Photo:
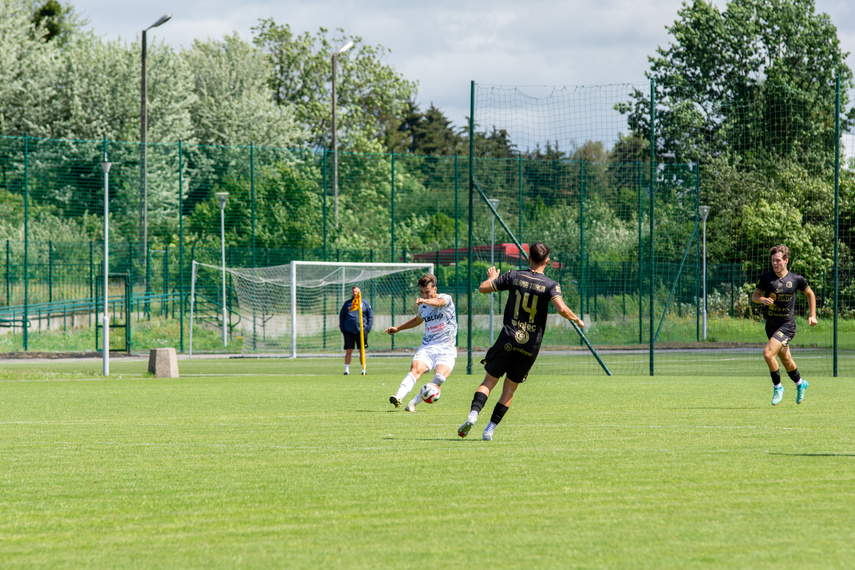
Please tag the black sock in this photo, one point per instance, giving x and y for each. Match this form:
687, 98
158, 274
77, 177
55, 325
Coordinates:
478, 402
498, 413
794, 375
776, 377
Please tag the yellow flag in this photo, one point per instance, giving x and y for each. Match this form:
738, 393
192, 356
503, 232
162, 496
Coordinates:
357, 302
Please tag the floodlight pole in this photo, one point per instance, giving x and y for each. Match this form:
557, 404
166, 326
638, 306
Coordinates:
335, 55
221, 198
495, 203
105, 166
705, 211
143, 223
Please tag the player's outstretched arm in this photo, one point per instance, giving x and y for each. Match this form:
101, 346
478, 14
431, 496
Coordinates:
812, 304
565, 311
414, 322
487, 285
435, 302
758, 298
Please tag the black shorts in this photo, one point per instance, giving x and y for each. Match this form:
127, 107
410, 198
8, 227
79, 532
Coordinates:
351, 340
505, 357
783, 332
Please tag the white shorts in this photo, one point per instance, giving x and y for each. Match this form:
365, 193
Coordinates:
433, 355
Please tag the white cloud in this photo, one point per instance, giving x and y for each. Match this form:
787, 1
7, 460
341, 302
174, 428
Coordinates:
445, 44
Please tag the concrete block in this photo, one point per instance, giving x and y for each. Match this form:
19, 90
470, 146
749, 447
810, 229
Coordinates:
163, 362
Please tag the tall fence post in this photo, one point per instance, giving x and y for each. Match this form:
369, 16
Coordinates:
583, 279
392, 252
26, 318
521, 206
836, 220
92, 306
471, 224
8, 280
698, 280
50, 281
180, 249
652, 194
252, 195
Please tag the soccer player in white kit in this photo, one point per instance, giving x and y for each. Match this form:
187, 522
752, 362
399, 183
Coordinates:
439, 345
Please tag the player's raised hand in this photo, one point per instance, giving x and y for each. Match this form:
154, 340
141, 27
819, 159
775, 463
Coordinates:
492, 273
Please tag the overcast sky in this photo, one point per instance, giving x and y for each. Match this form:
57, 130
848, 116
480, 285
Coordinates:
446, 44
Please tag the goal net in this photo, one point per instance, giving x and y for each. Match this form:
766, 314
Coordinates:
294, 309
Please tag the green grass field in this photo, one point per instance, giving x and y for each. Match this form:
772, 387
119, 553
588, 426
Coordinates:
262, 463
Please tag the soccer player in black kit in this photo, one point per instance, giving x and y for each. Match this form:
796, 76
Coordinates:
776, 290
516, 348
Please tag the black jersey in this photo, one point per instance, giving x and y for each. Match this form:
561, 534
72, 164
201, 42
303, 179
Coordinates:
783, 291
529, 297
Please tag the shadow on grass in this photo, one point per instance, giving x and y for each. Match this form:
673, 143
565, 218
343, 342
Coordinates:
717, 408
816, 454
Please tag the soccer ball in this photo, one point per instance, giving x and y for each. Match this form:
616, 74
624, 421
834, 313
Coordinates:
430, 393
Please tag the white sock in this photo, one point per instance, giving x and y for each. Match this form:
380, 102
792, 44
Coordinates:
347, 367
490, 427
416, 399
406, 385
438, 379
473, 417
799, 383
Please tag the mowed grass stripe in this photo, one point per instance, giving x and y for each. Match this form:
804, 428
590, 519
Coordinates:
299, 466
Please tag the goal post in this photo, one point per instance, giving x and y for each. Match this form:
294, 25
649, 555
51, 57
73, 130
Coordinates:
293, 309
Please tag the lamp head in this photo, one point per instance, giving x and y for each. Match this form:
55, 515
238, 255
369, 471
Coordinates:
704, 211
162, 20
345, 47
221, 198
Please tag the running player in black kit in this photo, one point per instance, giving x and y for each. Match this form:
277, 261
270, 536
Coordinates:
776, 290
516, 348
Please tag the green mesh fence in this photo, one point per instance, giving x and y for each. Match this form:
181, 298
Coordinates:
571, 166
593, 174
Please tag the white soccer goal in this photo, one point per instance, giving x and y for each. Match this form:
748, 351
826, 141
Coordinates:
294, 309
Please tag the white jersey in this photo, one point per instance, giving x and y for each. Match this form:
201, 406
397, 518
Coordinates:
440, 323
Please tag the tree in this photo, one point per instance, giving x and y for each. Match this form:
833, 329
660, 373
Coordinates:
53, 21
757, 80
371, 95
232, 104
430, 133
27, 66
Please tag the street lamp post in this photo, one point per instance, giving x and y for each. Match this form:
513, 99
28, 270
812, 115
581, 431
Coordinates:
335, 55
143, 231
495, 203
221, 198
705, 211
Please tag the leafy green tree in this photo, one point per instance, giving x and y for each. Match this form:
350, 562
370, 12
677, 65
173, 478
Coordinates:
430, 133
57, 22
755, 80
371, 95
232, 105
288, 209
27, 67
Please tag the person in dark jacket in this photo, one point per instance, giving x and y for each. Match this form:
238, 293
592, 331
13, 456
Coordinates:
348, 323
